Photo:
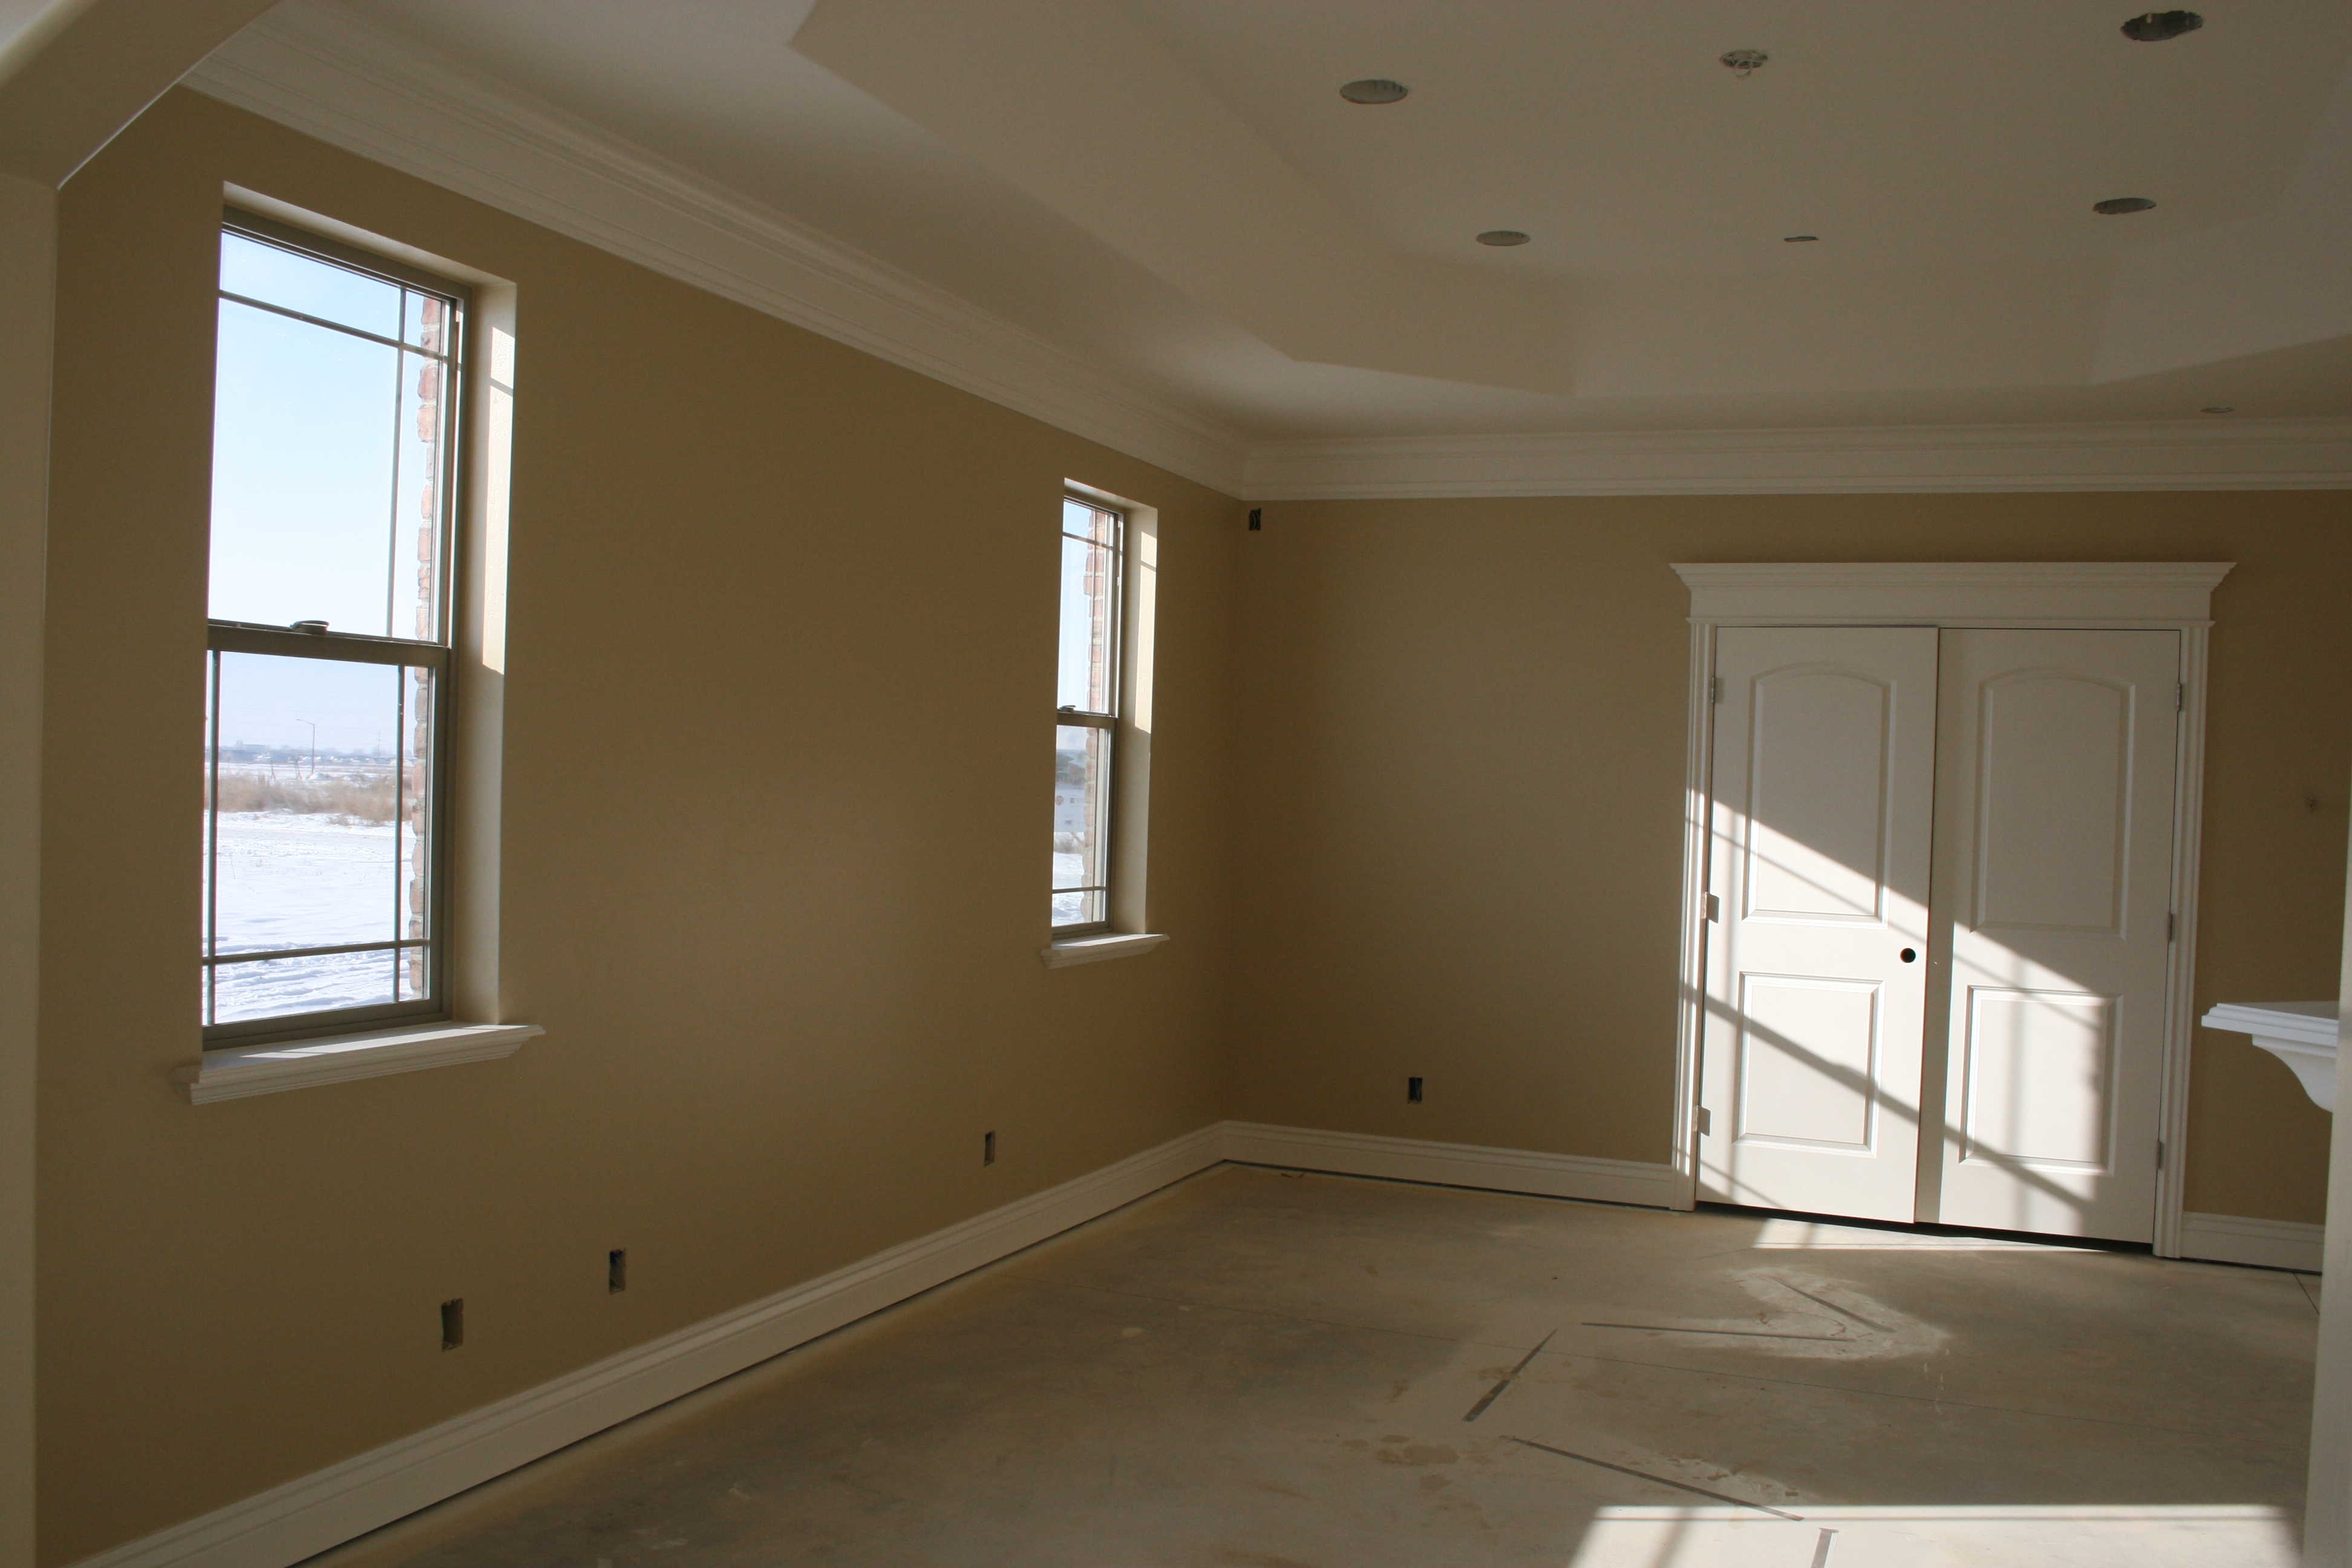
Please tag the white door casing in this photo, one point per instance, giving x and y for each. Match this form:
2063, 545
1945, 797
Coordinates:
2053, 880
2169, 595
1825, 758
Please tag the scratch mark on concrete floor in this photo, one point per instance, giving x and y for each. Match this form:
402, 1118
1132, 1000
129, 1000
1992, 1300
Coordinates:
1496, 1393
1661, 1480
1735, 1334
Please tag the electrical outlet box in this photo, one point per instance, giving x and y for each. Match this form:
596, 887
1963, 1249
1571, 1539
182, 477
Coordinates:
1412, 1091
453, 1323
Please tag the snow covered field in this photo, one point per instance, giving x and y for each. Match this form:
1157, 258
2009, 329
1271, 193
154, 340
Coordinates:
293, 879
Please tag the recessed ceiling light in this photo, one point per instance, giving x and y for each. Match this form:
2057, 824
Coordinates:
2218, 408
1374, 89
1502, 236
2114, 205
2156, 27
1799, 239
1745, 61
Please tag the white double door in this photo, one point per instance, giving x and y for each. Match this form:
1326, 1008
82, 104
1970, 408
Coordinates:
1940, 882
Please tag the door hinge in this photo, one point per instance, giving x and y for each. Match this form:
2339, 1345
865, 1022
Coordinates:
2159, 1153
1706, 1121
2171, 926
2182, 706
1715, 689
1714, 908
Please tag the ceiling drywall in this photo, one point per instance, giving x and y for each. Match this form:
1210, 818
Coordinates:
1172, 190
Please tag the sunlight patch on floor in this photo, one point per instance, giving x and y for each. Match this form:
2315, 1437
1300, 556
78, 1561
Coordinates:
2157, 1536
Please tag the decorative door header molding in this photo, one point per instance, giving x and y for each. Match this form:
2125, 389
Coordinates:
1997, 593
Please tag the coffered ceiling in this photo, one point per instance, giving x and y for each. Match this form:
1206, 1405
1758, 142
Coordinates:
1174, 192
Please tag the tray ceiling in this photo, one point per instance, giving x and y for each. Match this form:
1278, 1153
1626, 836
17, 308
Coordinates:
1173, 192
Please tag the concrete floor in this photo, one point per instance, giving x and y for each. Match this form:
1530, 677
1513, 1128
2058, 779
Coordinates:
1275, 1370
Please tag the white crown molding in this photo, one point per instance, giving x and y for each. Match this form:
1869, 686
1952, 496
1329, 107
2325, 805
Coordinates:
1967, 593
347, 80
2206, 455
356, 85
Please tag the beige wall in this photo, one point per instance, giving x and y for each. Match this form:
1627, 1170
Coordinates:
776, 776
27, 258
1462, 744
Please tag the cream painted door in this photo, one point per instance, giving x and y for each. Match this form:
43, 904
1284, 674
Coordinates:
1824, 764
2053, 878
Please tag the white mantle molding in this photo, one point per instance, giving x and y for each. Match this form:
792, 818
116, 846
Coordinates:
1993, 592
2165, 455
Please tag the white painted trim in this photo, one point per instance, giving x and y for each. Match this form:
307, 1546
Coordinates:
2327, 1490
335, 75
237, 1073
1690, 1015
2169, 596
2181, 978
2277, 1021
307, 1516
2163, 455
2266, 1243
1095, 949
1453, 1165
2157, 593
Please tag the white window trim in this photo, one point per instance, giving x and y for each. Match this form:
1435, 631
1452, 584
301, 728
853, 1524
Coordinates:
1130, 934
2168, 595
479, 656
1095, 949
244, 1070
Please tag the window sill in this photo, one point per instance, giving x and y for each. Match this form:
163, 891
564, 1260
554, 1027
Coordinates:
298, 1064
1095, 949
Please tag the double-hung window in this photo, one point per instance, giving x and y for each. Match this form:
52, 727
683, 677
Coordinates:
327, 675
1086, 713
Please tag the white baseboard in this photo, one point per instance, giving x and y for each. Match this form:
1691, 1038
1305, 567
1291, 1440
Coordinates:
332, 1506
2271, 1243
325, 1509
1453, 1164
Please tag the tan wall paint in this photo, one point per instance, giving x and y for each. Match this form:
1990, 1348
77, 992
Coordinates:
1463, 741
776, 774
28, 233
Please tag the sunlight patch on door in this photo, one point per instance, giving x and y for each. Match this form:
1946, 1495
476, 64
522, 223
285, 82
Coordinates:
2038, 1075
1819, 741
1808, 1062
